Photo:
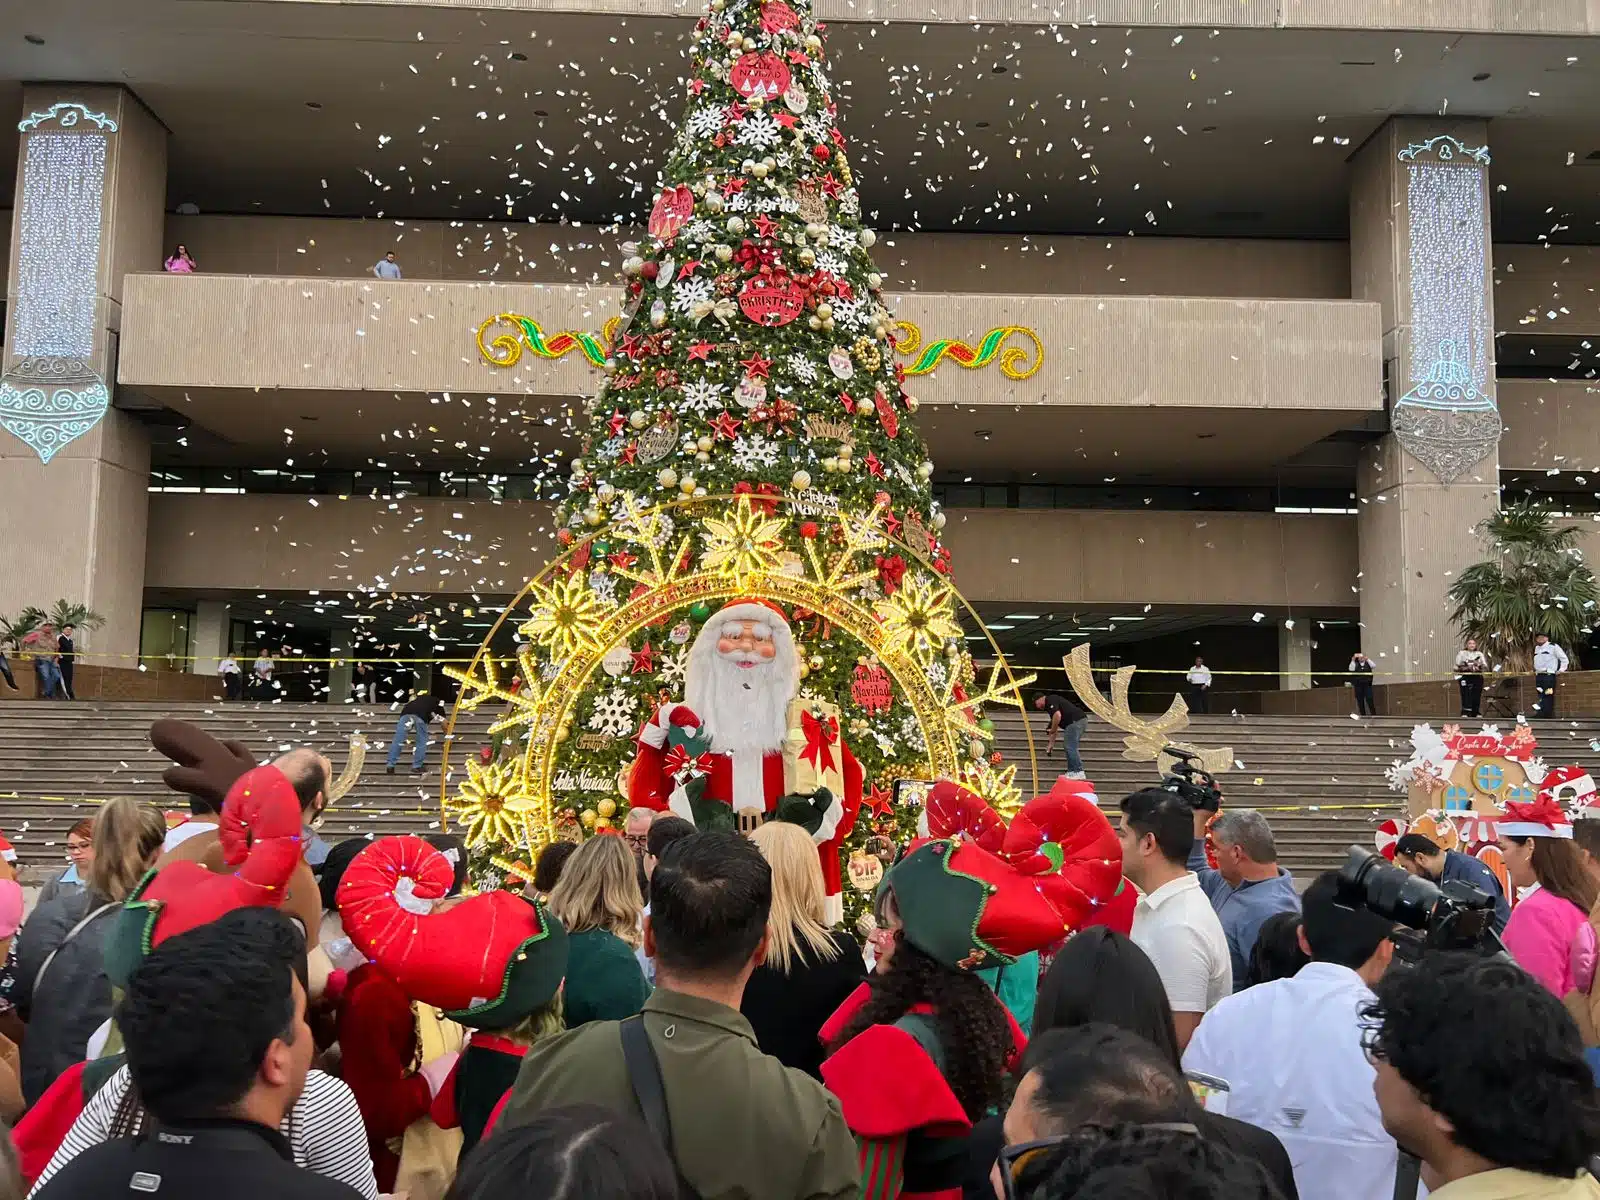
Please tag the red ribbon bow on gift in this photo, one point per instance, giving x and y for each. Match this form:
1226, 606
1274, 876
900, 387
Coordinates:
821, 736
680, 763
1543, 811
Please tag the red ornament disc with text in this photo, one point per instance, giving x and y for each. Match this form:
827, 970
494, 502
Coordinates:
672, 211
770, 301
765, 75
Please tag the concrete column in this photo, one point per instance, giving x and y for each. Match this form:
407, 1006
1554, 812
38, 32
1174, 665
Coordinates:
208, 636
339, 672
74, 472
1420, 246
1294, 657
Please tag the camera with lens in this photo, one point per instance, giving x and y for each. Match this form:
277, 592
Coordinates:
1456, 916
1188, 779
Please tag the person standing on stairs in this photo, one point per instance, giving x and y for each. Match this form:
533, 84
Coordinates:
1361, 680
1549, 660
1198, 693
415, 718
65, 658
1068, 721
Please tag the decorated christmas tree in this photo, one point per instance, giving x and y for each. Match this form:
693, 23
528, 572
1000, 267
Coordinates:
753, 426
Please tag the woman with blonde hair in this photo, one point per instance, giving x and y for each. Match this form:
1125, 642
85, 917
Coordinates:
598, 900
61, 985
809, 972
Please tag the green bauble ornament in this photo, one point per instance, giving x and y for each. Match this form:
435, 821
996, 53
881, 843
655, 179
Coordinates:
602, 549
986, 725
700, 611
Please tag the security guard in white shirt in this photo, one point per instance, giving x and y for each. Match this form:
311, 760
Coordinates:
1549, 660
1291, 1053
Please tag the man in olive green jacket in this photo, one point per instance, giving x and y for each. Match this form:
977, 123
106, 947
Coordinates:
743, 1126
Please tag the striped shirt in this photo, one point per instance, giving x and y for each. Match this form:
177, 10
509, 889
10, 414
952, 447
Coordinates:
324, 1131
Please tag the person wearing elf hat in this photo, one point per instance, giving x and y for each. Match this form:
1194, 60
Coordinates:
1557, 892
918, 1058
493, 962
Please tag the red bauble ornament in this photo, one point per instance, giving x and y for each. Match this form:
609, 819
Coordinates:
764, 75
671, 212
808, 529
564, 537
650, 270
821, 153
771, 300
777, 17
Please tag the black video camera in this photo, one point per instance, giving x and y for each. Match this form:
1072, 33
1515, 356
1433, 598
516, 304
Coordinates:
1456, 916
1187, 779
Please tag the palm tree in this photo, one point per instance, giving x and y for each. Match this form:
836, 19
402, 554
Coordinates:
81, 615
1534, 581
14, 629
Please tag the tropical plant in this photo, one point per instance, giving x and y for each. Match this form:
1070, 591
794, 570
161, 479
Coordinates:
66, 612
1533, 581
14, 629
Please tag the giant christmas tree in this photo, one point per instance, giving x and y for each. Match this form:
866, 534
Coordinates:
751, 390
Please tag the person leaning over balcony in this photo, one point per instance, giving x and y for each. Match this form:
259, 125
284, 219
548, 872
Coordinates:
179, 262
1549, 660
387, 268
1361, 680
1471, 663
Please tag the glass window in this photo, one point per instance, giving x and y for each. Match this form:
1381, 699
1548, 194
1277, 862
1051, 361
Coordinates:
164, 639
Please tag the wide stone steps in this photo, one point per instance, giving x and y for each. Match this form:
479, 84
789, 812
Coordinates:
1319, 779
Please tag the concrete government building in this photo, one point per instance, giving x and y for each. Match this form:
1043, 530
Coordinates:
1315, 282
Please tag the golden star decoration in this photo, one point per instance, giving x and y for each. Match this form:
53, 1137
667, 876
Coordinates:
999, 788
745, 542
918, 619
492, 805
567, 616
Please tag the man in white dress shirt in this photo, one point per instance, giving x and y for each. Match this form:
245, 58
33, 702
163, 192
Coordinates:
1291, 1051
1549, 660
1173, 922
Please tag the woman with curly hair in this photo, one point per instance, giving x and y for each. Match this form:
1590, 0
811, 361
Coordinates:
918, 1055
598, 900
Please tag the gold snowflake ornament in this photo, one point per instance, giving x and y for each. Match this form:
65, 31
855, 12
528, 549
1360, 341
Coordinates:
492, 805
919, 619
567, 616
746, 542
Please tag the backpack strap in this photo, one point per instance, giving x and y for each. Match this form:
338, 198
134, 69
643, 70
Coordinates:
71, 933
644, 1075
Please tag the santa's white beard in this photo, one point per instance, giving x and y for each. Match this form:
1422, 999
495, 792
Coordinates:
743, 709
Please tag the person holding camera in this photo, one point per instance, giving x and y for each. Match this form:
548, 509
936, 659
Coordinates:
1480, 1074
1291, 1053
1419, 855
1173, 921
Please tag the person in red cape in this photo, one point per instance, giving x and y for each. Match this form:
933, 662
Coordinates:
741, 742
259, 831
918, 1054
493, 962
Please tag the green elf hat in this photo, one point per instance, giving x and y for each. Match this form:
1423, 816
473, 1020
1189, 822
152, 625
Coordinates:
488, 961
968, 909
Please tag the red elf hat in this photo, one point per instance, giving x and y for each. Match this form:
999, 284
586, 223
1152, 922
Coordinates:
487, 961
260, 836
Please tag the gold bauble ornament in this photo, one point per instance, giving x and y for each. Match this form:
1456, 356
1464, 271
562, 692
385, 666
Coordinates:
602, 823
607, 808
588, 817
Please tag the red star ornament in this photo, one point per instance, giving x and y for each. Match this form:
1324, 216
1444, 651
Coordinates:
765, 226
786, 119
878, 799
622, 559
617, 423
702, 351
831, 186
644, 660
798, 58
756, 367
724, 427
874, 466
630, 453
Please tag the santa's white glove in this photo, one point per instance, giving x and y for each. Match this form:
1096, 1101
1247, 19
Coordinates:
654, 733
437, 1071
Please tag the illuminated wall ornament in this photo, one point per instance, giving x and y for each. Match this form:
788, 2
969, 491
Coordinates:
51, 391
1447, 418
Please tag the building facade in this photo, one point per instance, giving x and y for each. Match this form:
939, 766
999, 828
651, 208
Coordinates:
1282, 295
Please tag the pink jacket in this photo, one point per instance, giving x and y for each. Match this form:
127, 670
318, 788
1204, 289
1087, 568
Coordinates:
1540, 935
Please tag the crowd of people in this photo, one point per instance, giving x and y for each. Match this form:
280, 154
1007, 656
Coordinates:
663, 1011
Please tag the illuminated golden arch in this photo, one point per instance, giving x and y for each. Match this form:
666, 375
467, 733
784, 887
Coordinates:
745, 555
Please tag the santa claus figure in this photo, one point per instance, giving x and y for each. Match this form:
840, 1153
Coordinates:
742, 747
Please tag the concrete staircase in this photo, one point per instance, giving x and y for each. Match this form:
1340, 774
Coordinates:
59, 758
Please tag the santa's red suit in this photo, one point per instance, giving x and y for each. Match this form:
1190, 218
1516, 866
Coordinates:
752, 780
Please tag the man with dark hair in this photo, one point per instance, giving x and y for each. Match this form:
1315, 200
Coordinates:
1291, 1053
1549, 661
1067, 721
1480, 1074
547, 870
741, 1124
672, 829
1420, 855
214, 1022
1094, 1075
1147, 1162
1173, 922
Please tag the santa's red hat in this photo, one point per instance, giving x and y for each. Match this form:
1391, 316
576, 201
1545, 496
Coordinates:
260, 835
1571, 786
489, 961
1543, 818
750, 608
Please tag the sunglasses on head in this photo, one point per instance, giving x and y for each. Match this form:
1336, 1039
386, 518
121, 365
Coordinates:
1015, 1160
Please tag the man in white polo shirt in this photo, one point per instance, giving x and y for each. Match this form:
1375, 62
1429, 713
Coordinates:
1173, 922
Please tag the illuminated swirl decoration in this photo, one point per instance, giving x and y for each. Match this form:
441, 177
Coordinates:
505, 349
1014, 362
